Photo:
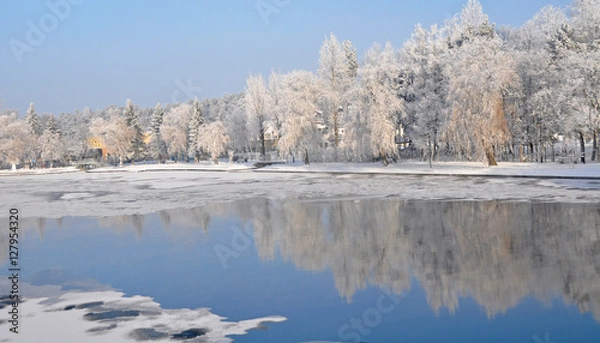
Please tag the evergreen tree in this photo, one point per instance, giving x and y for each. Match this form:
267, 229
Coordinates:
157, 118
52, 126
196, 122
158, 148
132, 120
33, 120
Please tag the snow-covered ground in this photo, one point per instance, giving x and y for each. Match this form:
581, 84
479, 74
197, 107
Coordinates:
107, 194
536, 170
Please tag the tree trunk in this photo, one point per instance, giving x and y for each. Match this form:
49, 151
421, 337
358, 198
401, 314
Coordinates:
595, 146
429, 144
489, 155
306, 160
262, 142
335, 127
384, 159
582, 143
215, 159
120, 161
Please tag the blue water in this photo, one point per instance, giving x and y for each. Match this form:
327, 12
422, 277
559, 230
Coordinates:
179, 266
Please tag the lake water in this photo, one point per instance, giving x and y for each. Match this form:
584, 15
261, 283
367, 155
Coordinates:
341, 270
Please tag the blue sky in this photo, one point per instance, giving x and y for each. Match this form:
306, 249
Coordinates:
102, 52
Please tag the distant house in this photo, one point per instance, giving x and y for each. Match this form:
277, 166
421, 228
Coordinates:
96, 144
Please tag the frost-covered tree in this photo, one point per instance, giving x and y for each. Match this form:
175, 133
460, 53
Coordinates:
257, 102
174, 130
16, 137
117, 136
157, 118
195, 124
52, 125
276, 98
425, 87
534, 119
52, 145
300, 134
33, 120
351, 59
138, 147
213, 139
481, 74
378, 83
336, 76
586, 62
158, 148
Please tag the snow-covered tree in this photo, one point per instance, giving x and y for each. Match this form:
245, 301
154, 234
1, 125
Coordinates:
132, 120
336, 76
481, 74
52, 145
16, 137
378, 82
174, 130
158, 148
33, 120
196, 122
534, 120
116, 135
213, 139
276, 97
300, 134
157, 118
351, 59
425, 87
257, 102
52, 125
586, 61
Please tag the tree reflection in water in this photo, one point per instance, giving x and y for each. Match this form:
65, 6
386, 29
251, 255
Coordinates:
493, 251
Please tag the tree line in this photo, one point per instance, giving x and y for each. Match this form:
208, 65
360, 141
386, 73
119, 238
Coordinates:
466, 90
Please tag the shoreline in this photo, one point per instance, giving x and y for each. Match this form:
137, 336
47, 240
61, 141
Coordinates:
589, 171
104, 194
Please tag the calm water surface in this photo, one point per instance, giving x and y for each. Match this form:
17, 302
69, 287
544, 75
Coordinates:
355, 270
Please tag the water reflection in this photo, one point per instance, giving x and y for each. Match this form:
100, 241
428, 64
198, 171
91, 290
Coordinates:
498, 253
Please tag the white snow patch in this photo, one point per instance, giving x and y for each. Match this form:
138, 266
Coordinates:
73, 317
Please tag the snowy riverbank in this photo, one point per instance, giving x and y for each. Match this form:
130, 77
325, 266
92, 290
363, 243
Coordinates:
519, 170
107, 194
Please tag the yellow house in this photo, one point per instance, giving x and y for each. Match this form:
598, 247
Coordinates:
97, 143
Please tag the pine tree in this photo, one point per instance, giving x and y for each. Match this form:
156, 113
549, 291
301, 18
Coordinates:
33, 120
351, 59
158, 148
52, 126
157, 118
196, 122
132, 120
